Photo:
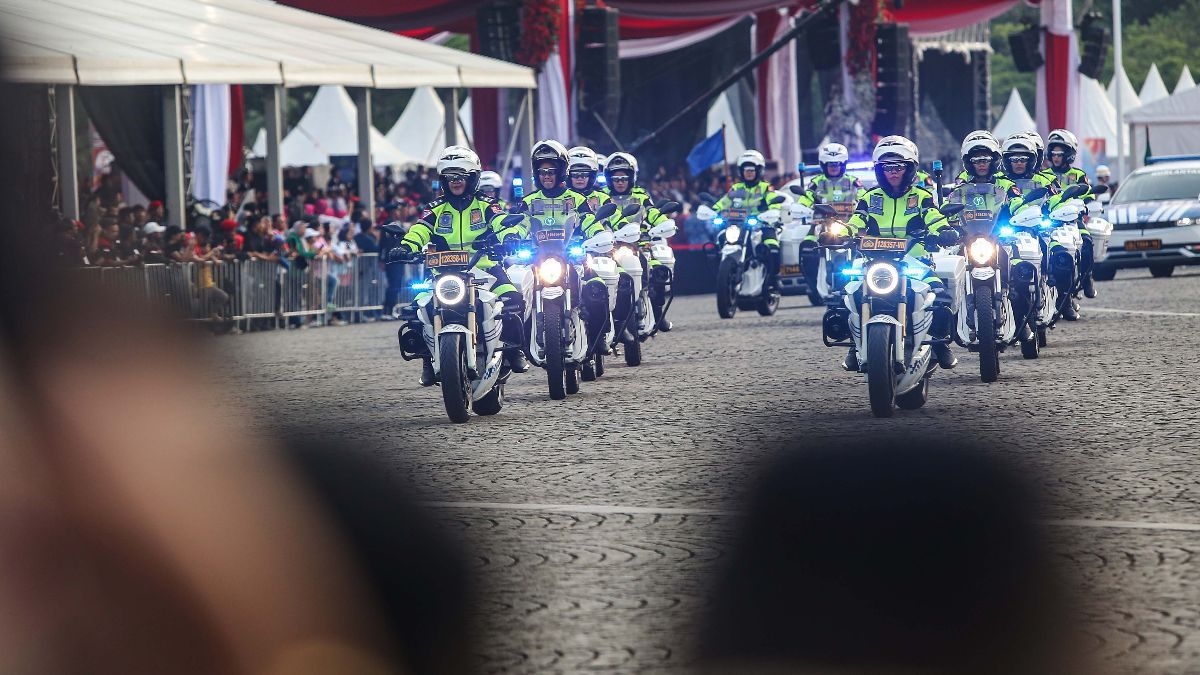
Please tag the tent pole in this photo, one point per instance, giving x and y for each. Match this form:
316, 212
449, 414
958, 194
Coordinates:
68, 171
525, 128
366, 168
172, 103
450, 116
273, 115
1118, 70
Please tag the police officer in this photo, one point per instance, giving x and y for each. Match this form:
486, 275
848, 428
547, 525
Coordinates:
833, 186
621, 173
1061, 150
756, 192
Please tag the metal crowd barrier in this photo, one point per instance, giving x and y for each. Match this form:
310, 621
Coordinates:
260, 291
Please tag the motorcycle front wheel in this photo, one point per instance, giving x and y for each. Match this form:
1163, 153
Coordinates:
728, 276
552, 333
985, 329
456, 382
881, 378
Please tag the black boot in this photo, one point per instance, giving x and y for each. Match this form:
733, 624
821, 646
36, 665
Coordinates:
851, 361
664, 324
517, 361
940, 330
945, 357
428, 379
1089, 286
1067, 308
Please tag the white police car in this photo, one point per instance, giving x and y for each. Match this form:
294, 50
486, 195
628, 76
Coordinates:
1155, 215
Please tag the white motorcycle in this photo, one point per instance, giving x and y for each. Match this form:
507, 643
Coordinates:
633, 317
558, 340
742, 274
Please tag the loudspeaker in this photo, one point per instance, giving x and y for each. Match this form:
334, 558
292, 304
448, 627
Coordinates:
499, 25
1094, 36
598, 69
894, 109
1024, 45
824, 41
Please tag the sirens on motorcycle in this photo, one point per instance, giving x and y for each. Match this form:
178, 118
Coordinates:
1047, 224
524, 254
1007, 231
882, 278
733, 234
450, 290
550, 271
852, 271
752, 221
718, 221
422, 285
576, 251
982, 251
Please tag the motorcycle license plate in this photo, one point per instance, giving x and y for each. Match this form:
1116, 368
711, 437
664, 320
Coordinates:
883, 244
1143, 245
448, 259
736, 214
550, 235
789, 270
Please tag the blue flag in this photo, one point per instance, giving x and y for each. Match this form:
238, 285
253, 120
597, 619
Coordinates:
707, 152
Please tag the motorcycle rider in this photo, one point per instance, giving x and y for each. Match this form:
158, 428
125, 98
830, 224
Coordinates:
583, 167
490, 184
1022, 154
898, 208
554, 199
757, 193
831, 187
1061, 150
455, 221
620, 173
966, 175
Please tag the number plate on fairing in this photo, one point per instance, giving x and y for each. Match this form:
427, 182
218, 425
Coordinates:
448, 259
1144, 245
550, 235
883, 244
789, 270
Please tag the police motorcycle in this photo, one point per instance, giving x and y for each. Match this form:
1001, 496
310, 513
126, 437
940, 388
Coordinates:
833, 256
893, 337
988, 323
742, 274
633, 317
458, 323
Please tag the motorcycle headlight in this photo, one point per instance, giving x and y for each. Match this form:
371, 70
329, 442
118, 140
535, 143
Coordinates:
981, 251
450, 290
733, 234
550, 271
882, 278
839, 230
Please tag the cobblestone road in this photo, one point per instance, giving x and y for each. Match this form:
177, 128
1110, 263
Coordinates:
596, 521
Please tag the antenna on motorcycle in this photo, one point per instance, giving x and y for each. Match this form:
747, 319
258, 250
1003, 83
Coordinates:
670, 208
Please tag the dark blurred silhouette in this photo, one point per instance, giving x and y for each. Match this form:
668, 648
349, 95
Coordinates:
907, 557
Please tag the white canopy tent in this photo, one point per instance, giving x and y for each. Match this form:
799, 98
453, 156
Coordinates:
1129, 96
1015, 118
329, 129
189, 42
420, 130
1153, 89
1185, 81
721, 113
1097, 125
1170, 125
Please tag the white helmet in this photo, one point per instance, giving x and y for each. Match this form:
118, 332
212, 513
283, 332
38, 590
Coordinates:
833, 152
1103, 171
981, 139
584, 158
1024, 143
549, 150
492, 180
897, 149
621, 161
458, 159
752, 157
1067, 140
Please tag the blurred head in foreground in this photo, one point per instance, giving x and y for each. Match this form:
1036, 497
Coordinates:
899, 559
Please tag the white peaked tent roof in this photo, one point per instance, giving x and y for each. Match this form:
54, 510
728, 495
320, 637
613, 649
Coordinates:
1129, 97
1185, 80
1097, 117
722, 113
1181, 108
1015, 118
1153, 89
419, 131
330, 128
1172, 125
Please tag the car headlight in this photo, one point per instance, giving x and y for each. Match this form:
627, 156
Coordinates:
982, 251
733, 234
450, 290
1184, 222
550, 271
882, 278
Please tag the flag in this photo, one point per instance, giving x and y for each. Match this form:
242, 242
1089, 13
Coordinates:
707, 152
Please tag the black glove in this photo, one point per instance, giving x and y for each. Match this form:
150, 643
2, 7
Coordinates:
948, 237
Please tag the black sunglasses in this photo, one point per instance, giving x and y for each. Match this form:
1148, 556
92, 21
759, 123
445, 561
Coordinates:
1057, 153
619, 178
580, 174
547, 172
980, 160
893, 167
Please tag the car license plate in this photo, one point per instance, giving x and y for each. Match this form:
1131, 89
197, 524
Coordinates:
789, 270
1143, 245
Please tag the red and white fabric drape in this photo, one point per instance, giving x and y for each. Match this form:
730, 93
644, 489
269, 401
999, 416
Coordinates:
1058, 79
555, 90
778, 105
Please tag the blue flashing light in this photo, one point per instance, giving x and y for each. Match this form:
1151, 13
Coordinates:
1047, 224
601, 179
423, 285
752, 221
576, 251
718, 221
937, 165
524, 254
517, 181
1007, 231
859, 166
852, 271
914, 272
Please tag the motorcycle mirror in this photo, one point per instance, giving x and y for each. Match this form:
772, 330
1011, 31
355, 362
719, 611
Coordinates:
670, 208
605, 212
796, 190
946, 191
707, 198
1074, 191
777, 199
950, 209
518, 207
1036, 194
824, 210
394, 229
1099, 189
512, 220
630, 210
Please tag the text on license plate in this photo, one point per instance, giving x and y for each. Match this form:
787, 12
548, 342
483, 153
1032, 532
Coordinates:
1143, 245
789, 269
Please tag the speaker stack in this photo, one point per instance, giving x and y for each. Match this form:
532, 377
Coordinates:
598, 73
894, 109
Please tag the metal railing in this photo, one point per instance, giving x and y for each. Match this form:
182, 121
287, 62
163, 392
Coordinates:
261, 291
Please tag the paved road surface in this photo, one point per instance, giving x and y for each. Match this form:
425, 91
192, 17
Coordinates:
596, 521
